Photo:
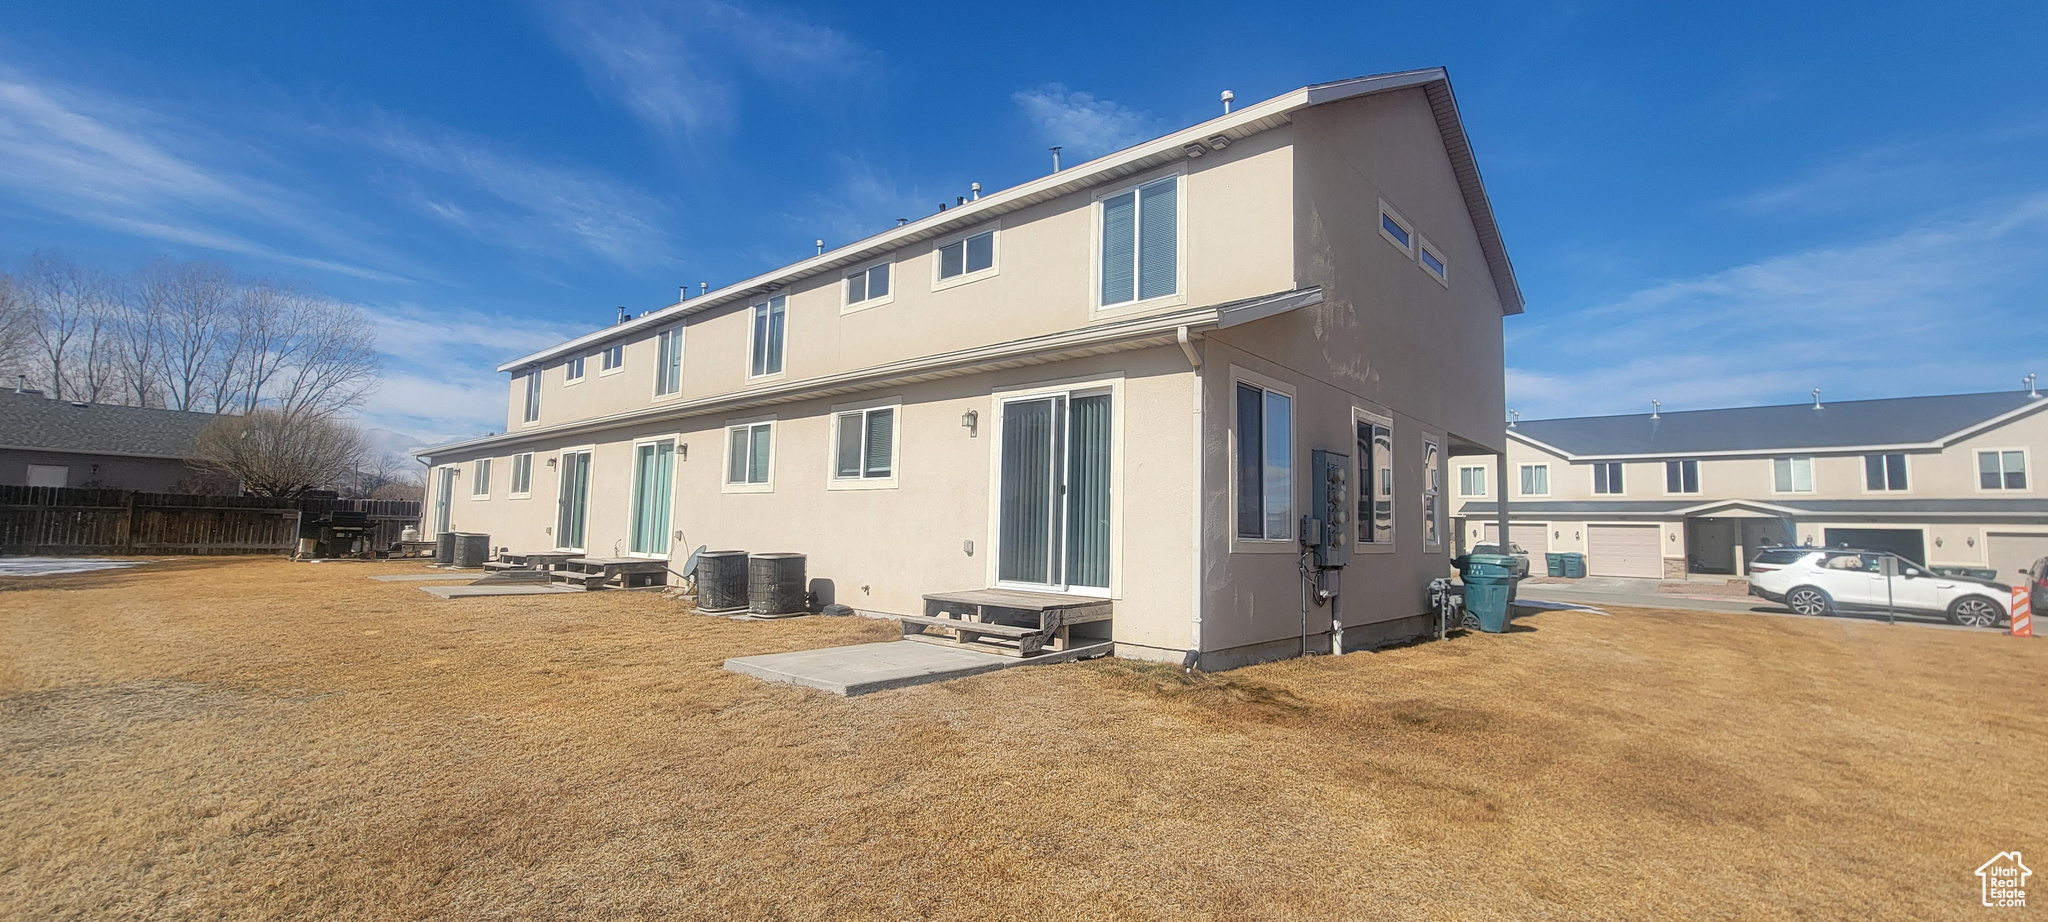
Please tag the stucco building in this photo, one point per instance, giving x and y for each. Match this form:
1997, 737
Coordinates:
1106, 381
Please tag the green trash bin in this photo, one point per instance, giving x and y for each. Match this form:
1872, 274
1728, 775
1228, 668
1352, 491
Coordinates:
1574, 565
1489, 588
1553, 564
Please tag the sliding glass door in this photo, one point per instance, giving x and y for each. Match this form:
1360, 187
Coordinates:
444, 490
654, 465
1053, 496
573, 506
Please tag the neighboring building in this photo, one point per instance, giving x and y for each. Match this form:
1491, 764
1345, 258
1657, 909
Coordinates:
1946, 480
1099, 382
54, 443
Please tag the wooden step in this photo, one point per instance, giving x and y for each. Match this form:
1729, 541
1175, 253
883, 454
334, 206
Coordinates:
978, 627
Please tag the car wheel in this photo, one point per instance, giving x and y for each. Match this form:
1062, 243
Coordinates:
1807, 600
1974, 611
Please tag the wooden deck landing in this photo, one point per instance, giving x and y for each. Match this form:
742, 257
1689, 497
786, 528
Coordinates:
1007, 621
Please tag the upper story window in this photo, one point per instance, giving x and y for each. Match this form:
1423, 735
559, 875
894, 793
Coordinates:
865, 445
1535, 480
1682, 476
770, 320
1265, 463
2002, 470
532, 396
1432, 261
572, 369
1607, 477
1471, 481
967, 258
668, 362
1792, 475
1375, 439
1141, 243
868, 287
614, 358
1396, 229
1884, 473
480, 485
522, 474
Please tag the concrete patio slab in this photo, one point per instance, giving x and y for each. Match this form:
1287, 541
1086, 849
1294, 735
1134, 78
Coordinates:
423, 577
471, 592
872, 667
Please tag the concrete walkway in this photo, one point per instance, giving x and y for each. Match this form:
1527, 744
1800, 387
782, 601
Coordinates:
471, 592
447, 577
871, 667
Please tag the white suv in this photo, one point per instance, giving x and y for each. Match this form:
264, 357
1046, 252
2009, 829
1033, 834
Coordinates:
1824, 581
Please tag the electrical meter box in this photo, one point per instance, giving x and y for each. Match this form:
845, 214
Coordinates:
1326, 529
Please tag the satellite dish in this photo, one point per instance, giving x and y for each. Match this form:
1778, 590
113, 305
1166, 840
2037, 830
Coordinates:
690, 565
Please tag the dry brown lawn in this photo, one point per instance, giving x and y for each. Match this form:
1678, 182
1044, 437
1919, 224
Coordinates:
255, 739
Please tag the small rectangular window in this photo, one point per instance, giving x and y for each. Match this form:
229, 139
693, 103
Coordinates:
2002, 470
614, 358
870, 284
1471, 481
1141, 243
668, 362
1792, 475
1607, 477
749, 453
866, 445
1535, 480
522, 474
967, 256
1265, 463
1682, 476
769, 327
573, 369
1884, 473
533, 396
1432, 261
480, 485
1375, 443
1396, 229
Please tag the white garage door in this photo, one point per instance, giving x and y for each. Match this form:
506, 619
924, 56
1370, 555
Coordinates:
1624, 550
2009, 554
1534, 537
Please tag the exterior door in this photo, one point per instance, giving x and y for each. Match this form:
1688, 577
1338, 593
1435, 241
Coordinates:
654, 466
444, 490
1624, 550
1053, 494
572, 509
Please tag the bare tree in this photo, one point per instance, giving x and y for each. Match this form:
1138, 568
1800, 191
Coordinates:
15, 335
333, 365
141, 356
273, 454
195, 299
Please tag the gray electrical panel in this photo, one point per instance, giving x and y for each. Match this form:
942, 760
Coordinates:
1325, 528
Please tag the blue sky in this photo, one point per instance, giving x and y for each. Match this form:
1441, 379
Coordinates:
1724, 205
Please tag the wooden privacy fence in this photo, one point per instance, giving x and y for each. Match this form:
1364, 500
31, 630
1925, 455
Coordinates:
65, 520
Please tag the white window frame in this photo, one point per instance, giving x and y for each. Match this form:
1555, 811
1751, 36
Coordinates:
847, 306
1388, 211
555, 517
832, 479
1522, 480
512, 477
674, 334
611, 359
530, 399
1286, 543
1378, 416
1111, 383
725, 469
1792, 474
1906, 458
752, 307
2026, 469
1422, 247
1620, 472
577, 365
995, 266
480, 478
1482, 479
1178, 174
1433, 518
675, 480
1697, 480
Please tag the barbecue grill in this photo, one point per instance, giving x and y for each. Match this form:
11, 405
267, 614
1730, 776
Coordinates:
337, 533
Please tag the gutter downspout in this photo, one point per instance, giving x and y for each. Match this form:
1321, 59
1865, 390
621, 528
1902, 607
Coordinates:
1200, 533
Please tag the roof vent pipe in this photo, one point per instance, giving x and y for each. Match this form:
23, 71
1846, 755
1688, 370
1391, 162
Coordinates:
684, 294
1514, 416
902, 221
1055, 158
977, 191
1816, 399
1227, 97
959, 200
942, 206
703, 288
821, 246
623, 316
21, 382
2032, 392
1656, 408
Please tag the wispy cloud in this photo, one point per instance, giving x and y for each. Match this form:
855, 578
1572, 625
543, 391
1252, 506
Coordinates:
1085, 124
440, 380
676, 66
1930, 310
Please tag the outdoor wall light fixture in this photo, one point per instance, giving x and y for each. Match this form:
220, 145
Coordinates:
1970, 541
1937, 542
683, 450
971, 421
551, 462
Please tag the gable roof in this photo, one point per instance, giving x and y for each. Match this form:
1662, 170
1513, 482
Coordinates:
37, 423
1895, 423
1435, 82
